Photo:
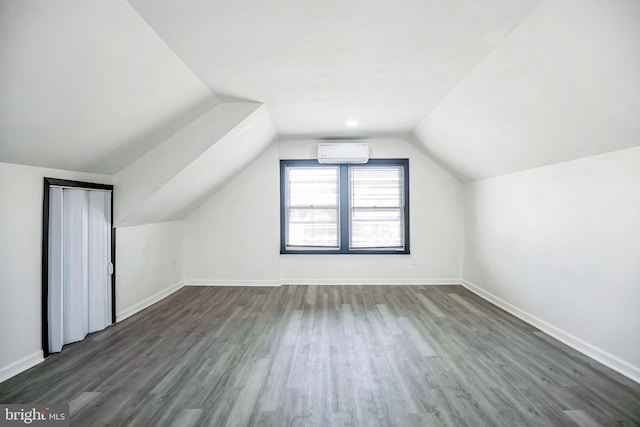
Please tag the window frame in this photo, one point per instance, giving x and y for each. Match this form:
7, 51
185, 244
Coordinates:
344, 211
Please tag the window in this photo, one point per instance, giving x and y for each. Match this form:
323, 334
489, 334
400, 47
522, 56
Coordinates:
345, 208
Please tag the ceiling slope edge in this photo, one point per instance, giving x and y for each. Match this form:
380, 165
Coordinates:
562, 86
420, 137
179, 175
413, 139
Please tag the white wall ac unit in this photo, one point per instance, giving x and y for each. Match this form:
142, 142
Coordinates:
343, 152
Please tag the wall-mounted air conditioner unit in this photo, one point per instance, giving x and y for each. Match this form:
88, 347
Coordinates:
343, 152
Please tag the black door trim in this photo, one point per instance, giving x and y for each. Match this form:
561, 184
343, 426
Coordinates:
48, 182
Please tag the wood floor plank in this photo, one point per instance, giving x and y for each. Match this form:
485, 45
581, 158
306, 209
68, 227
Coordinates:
348, 320
243, 408
581, 418
416, 338
389, 319
466, 304
76, 404
187, 418
327, 356
430, 305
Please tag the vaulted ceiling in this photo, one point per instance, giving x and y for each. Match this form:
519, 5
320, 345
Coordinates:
87, 85
317, 64
485, 88
564, 84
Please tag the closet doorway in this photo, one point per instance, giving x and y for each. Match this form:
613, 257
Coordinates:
78, 261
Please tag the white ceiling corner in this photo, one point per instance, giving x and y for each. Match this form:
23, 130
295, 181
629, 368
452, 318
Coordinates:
177, 176
317, 64
88, 85
487, 88
565, 84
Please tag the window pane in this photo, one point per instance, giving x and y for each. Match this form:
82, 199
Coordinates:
313, 227
377, 214
376, 186
312, 207
377, 228
310, 186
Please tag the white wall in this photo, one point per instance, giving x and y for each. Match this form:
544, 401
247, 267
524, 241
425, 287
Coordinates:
436, 227
560, 246
149, 265
21, 194
235, 237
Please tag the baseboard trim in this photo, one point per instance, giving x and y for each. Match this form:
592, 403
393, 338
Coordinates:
21, 365
623, 367
310, 282
216, 282
382, 282
128, 312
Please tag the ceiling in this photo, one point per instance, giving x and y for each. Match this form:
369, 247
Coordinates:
317, 64
565, 84
88, 86
485, 88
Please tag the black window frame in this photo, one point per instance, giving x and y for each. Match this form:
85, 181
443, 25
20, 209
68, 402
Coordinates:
344, 210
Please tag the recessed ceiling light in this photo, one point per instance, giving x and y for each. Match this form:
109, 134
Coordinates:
352, 123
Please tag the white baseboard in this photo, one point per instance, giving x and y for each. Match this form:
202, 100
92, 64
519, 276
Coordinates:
388, 282
217, 282
21, 365
602, 356
286, 282
128, 312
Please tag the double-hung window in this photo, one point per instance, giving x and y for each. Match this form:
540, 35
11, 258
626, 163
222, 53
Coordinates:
344, 208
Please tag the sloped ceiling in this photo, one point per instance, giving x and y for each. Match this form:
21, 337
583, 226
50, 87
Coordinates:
316, 64
486, 88
564, 84
88, 86
179, 174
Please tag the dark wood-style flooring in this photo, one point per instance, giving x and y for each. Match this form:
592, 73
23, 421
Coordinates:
325, 356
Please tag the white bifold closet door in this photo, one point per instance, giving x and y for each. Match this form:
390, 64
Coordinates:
79, 264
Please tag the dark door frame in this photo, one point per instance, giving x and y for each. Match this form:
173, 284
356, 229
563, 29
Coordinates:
48, 182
